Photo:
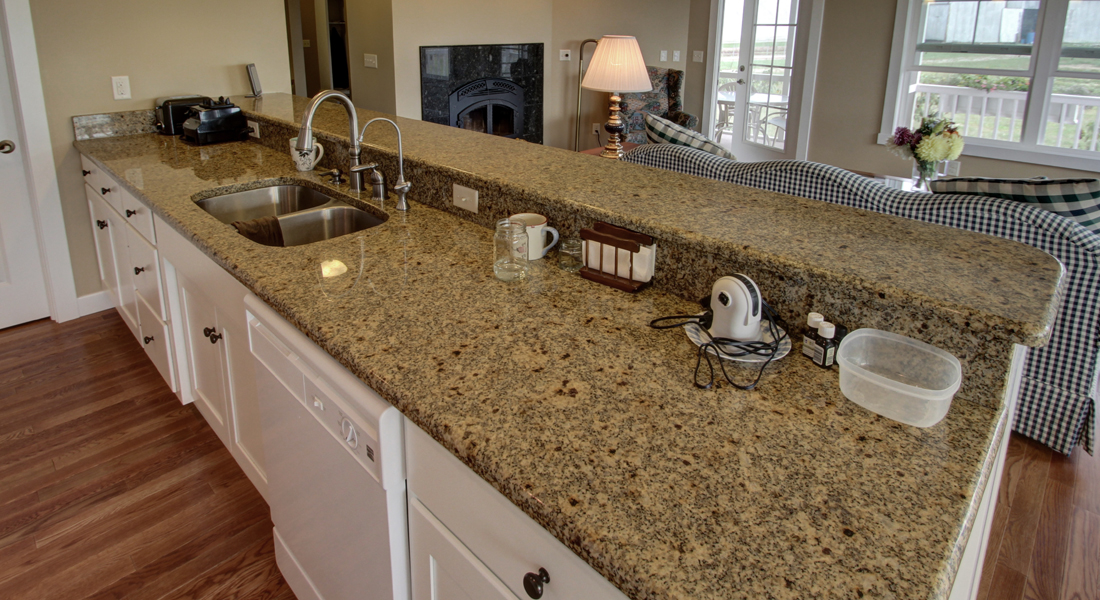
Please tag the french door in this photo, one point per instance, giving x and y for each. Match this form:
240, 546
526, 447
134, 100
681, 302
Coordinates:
760, 84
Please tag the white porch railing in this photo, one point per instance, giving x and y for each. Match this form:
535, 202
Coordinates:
1072, 121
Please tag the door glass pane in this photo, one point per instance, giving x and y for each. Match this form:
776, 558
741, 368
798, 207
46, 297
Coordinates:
1072, 120
978, 34
786, 12
982, 106
770, 73
784, 46
764, 45
766, 11
1081, 41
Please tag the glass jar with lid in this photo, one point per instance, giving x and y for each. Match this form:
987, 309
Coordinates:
510, 261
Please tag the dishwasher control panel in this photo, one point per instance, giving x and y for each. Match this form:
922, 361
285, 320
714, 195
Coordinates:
354, 433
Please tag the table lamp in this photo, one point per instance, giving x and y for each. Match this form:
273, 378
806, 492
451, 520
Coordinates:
616, 66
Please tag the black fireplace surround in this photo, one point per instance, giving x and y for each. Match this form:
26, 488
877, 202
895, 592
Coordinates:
495, 89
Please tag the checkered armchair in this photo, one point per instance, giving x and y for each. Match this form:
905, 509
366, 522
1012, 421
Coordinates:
1057, 403
665, 101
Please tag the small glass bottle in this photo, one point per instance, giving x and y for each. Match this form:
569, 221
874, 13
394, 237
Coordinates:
510, 261
825, 353
809, 340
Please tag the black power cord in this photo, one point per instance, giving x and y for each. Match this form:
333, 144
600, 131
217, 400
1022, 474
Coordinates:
726, 346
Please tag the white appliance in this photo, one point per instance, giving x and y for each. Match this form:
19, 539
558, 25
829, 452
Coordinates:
335, 468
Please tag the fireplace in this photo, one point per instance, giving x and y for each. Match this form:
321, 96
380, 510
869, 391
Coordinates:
493, 89
488, 105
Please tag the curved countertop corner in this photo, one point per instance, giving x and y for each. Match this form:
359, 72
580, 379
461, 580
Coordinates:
556, 392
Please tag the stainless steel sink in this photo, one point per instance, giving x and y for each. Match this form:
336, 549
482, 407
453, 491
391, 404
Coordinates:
319, 224
263, 202
305, 215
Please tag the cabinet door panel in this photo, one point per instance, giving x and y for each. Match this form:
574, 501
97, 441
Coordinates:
146, 272
154, 335
101, 228
127, 297
204, 357
443, 568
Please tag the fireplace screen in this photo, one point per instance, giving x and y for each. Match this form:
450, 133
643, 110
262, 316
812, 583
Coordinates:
490, 106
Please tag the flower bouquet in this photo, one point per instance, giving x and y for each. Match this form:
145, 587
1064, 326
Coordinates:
934, 141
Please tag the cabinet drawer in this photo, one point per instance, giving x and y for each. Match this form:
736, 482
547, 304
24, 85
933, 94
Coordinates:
154, 336
110, 191
138, 215
93, 175
146, 271
498, 533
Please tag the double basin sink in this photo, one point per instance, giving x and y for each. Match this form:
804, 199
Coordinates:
304, 215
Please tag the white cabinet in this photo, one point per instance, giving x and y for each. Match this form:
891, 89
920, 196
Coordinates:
442, 567
128, 266
468, 540
206, 306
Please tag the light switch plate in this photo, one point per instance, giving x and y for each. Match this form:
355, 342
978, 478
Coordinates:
664, 55
675, 56
465, 197
565, 55
120, 85
370, 61
697, 56
953, 168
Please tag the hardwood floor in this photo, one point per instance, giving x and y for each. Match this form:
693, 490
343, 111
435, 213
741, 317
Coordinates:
109, 488
1045, 543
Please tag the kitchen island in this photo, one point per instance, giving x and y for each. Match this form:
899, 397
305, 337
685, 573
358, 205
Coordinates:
557, 393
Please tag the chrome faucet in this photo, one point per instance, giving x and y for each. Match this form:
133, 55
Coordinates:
305, 134
401, 188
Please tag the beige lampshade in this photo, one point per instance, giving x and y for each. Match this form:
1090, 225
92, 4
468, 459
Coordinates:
617, 66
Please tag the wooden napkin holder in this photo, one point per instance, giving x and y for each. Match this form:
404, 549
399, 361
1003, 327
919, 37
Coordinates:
603, 235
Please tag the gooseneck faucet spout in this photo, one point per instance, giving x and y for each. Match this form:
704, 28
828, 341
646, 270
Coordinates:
401, 188
305, 134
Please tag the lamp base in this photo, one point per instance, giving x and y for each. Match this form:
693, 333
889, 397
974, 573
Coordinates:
615, 127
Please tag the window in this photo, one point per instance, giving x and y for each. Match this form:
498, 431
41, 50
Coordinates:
1021, 79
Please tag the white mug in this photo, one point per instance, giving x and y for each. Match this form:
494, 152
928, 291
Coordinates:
537, 229
306, 161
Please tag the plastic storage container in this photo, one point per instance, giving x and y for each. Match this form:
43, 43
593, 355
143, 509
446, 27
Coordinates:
898, 377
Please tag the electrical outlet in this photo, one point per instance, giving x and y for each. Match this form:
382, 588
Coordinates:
664, 55
565, 55
596, 129
697, 56
121, 87
370, 61
675, 56
465, 197
253, 129
306, 43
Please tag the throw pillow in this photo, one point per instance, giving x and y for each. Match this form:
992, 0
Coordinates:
1078, 199
663, 131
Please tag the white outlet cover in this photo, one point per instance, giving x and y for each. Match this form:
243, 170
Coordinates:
664, 55
370, 61
253, 129
697, 56
565, 55
465, 197
120, 86
675, 56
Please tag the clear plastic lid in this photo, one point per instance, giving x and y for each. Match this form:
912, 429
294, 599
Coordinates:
826, 330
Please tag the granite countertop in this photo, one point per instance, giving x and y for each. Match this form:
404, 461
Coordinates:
556, 392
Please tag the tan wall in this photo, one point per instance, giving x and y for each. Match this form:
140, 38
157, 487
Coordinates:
82, 43
419, 23
370, 31
851, 87
658, 25
695, 79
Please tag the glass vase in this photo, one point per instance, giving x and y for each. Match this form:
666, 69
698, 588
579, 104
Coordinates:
924, 171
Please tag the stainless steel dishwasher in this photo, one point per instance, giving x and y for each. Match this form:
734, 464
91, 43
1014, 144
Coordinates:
335, 468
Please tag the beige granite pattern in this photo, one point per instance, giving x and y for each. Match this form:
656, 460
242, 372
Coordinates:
133, 122
556, 392
968, 293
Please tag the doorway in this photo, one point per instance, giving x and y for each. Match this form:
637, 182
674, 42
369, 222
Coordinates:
319, 46
760, 84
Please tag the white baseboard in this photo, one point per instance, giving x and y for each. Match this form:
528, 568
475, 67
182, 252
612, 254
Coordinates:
93, 303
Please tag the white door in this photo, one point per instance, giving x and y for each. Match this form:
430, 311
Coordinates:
768, 90
22, 281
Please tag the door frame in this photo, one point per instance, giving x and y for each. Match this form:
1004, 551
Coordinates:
809, 70
39, 167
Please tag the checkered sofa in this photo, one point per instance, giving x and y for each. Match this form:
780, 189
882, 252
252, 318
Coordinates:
1057, 400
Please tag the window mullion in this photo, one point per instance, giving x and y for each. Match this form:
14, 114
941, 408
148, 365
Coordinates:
1045, 64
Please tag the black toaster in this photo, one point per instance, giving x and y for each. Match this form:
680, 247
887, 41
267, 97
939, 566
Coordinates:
214, 122
172, 112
